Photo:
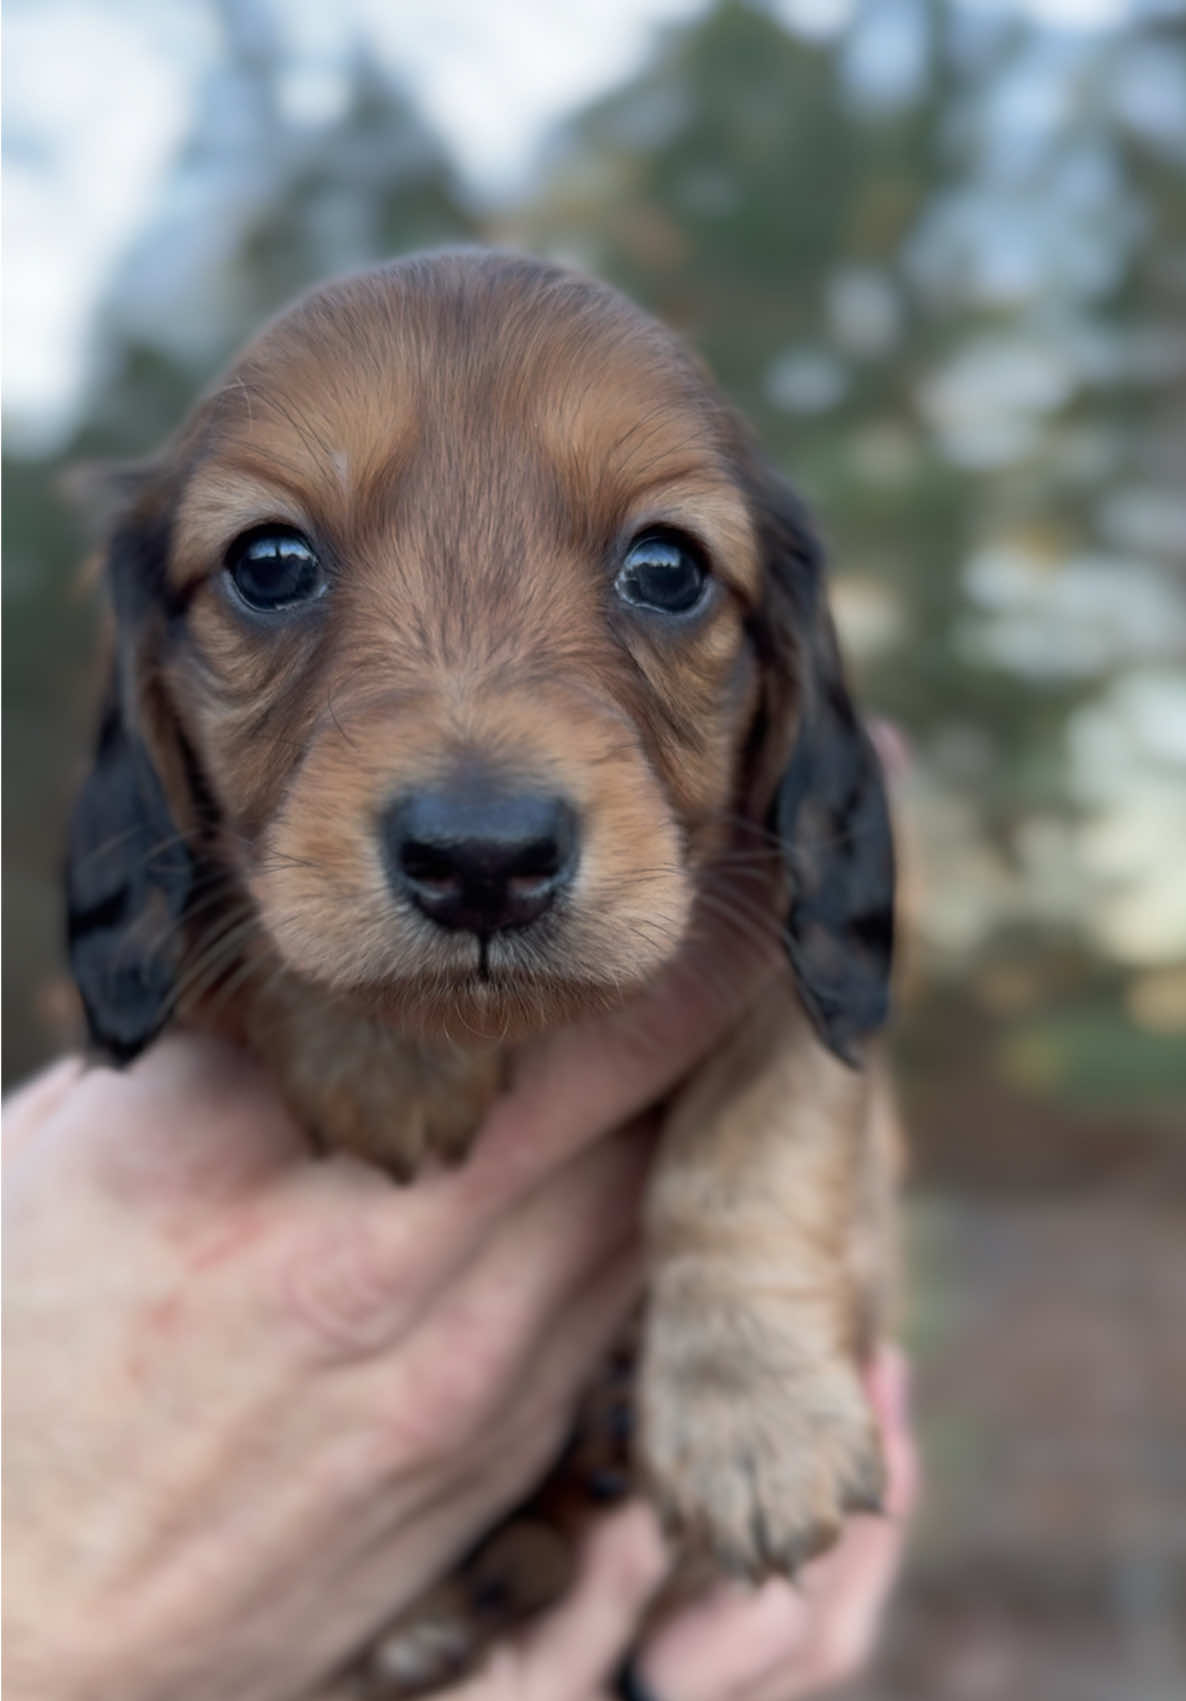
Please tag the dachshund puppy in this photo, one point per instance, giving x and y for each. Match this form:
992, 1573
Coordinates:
463, 644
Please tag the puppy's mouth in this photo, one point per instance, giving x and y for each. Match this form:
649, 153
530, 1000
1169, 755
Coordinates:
499, 911
493, 987
487, 966
534, 961
491, 971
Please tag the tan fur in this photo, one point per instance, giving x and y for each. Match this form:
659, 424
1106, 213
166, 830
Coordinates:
757, 1437
470, 440
380, 418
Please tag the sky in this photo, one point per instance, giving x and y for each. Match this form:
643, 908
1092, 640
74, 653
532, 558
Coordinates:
83, 169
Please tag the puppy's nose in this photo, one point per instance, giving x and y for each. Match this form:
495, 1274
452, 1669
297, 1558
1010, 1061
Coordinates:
480, 858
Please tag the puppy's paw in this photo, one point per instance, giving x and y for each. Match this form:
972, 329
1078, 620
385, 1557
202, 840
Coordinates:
756, 1466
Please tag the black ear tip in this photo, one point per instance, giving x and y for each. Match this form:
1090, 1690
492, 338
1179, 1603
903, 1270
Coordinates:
842, 971
129, 878
845, 1022
829, 811
127, 998
833, 821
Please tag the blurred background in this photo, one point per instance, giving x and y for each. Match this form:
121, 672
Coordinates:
936, 249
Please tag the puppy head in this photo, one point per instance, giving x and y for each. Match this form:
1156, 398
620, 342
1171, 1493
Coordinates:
457, 629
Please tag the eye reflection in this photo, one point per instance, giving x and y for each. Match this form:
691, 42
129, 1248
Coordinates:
665, 572
274, 567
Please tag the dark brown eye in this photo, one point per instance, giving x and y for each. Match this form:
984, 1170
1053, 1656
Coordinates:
663, 571
274, 567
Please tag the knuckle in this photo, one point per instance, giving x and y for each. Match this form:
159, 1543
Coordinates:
840, 1653
466, 1388
336, 1289
456, 1394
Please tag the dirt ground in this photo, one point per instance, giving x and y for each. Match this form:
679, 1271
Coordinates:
1049, 1336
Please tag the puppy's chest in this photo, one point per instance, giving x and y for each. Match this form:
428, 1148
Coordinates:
360, 1085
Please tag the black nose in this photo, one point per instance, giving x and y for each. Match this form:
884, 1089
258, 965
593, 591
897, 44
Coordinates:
478, 857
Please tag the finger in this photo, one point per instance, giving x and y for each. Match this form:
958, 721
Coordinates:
845, 1599
574, 1648
888, 1382
32, 1106
785, 1640
475, 1484
563, 1363
725, 1642
594, 1075
586, 1639
535, 1425
539, 1257
192, 1120
848, 1588
364, 1264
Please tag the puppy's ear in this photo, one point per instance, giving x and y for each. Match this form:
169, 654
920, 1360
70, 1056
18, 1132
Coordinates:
129, 871
829, 807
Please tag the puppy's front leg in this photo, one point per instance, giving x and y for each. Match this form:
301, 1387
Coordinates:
756, 1436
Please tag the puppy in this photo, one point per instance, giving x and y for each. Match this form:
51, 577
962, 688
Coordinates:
465, 651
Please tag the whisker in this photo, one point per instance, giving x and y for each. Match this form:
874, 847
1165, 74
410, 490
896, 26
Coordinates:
108, 845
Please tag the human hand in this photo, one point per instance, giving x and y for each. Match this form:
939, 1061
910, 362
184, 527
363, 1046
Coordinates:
777, 1642
255, 1404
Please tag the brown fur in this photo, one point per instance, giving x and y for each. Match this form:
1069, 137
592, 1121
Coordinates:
472, 440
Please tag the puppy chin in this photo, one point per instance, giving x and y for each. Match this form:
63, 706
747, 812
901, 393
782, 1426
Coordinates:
500, 993
430, 985
498, 1010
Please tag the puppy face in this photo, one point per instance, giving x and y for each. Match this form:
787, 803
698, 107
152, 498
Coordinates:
457, 631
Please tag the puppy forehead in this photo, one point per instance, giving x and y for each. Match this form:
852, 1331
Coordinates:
505, 381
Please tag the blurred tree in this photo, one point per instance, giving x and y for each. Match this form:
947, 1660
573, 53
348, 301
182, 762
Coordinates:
935, 256
259, 204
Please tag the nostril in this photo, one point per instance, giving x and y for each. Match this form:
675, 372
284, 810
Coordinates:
542, 859
480, 857
428, 864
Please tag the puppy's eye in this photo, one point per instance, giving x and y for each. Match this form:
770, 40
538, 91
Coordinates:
665, 572
274, 567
